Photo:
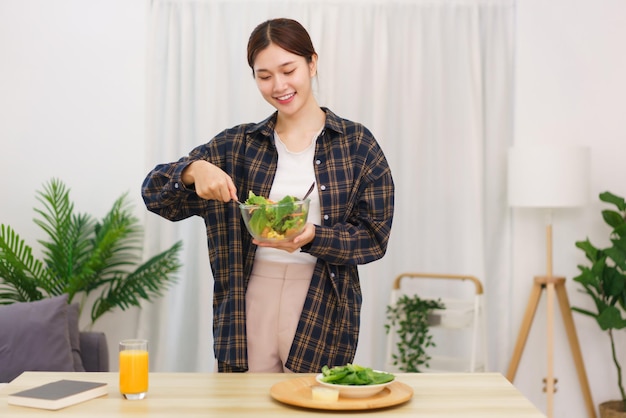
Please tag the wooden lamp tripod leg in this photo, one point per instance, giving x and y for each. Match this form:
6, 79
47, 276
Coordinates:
522, 336
568, 321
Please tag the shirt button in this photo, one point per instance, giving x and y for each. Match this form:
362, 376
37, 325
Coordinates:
176, 185
325, 217
323, 187
318, 162
332, 274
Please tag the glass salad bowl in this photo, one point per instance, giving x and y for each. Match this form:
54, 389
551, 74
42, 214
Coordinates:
269, 221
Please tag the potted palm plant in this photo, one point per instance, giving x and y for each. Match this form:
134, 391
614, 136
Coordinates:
604, 280
82, 255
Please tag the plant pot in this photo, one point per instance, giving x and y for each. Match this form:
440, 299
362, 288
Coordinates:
612, 409
434, 319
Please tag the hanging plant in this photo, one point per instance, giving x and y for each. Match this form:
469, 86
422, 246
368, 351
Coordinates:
410, 318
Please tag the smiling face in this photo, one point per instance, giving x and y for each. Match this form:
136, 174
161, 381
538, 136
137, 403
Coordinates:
284, 79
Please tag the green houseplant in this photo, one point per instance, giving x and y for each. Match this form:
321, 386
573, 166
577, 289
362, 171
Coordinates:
82, 255
410, 317
604, 280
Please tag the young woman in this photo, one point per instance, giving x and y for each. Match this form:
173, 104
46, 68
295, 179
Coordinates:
289, 306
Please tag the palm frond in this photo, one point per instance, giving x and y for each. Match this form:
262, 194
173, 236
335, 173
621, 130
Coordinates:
21, 274
148, 281
68, 235
56, 217
115, 247
120, 235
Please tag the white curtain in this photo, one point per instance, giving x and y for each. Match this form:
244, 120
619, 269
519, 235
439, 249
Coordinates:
433, 80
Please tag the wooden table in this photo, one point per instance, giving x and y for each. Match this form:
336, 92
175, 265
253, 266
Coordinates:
180, 395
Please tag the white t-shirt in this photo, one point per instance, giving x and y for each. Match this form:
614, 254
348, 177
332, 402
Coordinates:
294, 175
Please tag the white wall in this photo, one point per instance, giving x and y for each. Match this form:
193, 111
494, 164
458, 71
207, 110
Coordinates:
72, 106
570, 88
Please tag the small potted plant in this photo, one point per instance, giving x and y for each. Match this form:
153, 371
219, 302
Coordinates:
604, 280
409, 318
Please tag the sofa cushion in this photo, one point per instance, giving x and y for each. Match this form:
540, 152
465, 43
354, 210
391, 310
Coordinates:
72, 324
34, 336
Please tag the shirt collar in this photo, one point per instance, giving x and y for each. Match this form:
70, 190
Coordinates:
266, 127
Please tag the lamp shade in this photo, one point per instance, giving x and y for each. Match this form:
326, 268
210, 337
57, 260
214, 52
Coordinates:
549, 176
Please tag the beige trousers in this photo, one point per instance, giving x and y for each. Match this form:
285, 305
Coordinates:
274, 300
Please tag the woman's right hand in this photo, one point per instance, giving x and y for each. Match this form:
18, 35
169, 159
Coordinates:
210, 181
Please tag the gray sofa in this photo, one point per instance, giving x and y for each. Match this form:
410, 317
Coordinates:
94, 351
44, 336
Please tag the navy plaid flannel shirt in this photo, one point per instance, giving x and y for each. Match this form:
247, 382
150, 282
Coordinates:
357, 203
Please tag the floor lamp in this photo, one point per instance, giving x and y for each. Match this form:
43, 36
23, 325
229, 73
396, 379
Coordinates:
549, 177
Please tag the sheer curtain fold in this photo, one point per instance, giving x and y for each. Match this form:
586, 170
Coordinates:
432, 81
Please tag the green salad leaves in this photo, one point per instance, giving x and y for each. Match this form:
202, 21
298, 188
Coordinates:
275, 220
353, 374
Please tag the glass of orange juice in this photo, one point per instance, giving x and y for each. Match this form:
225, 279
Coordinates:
134, 368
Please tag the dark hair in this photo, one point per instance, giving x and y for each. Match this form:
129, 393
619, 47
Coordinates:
288, 34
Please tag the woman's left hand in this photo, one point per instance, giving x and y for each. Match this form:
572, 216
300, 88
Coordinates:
298, 241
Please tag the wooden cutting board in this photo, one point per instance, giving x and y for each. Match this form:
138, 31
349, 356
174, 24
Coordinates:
297, 392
